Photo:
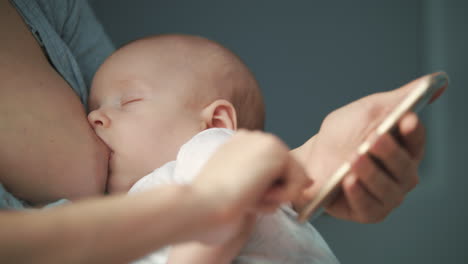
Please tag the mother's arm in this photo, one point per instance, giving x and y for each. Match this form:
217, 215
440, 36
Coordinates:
117, 229
114, 229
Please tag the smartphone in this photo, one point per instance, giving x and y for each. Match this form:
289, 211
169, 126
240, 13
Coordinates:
429, 87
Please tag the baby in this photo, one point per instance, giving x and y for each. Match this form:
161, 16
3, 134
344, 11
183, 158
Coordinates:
168, 102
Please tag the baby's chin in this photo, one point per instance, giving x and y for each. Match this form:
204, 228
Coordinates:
114, 186
118, 182
123, 173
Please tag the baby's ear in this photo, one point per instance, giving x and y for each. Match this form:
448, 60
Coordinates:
220, 113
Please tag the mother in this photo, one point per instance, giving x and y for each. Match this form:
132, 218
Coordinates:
49, 52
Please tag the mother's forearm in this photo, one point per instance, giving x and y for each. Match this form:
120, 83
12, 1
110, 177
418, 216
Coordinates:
108, 230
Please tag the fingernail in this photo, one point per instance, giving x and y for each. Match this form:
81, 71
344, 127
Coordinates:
350, 180
441, 79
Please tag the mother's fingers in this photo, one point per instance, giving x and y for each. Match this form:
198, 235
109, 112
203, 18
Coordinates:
253, 170
395, 161
361, 205
413, 135
291, 183
379, 184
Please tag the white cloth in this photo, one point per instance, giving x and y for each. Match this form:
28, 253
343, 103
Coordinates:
277, 238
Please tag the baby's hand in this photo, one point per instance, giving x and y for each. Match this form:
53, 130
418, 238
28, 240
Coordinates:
198, 252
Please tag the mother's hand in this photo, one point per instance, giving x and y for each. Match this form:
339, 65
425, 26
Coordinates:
376, 185
252, 172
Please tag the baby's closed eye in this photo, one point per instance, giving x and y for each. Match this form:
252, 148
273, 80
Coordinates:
130, 101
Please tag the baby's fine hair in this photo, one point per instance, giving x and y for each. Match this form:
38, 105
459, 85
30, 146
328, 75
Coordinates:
235, 83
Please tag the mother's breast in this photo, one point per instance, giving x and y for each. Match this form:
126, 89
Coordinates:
48, 151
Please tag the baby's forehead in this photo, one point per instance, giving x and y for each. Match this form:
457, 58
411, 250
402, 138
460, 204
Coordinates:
141, 62
133, 84
116, 85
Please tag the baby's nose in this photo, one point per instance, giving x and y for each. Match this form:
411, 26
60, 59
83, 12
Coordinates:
98, 119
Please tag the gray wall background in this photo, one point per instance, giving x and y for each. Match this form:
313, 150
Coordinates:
311, 57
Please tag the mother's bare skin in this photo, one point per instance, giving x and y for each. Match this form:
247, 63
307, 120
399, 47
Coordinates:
48, 149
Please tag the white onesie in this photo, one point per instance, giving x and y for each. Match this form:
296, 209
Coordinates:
277, 238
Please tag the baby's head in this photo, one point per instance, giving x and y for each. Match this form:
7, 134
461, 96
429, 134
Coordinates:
153, 94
